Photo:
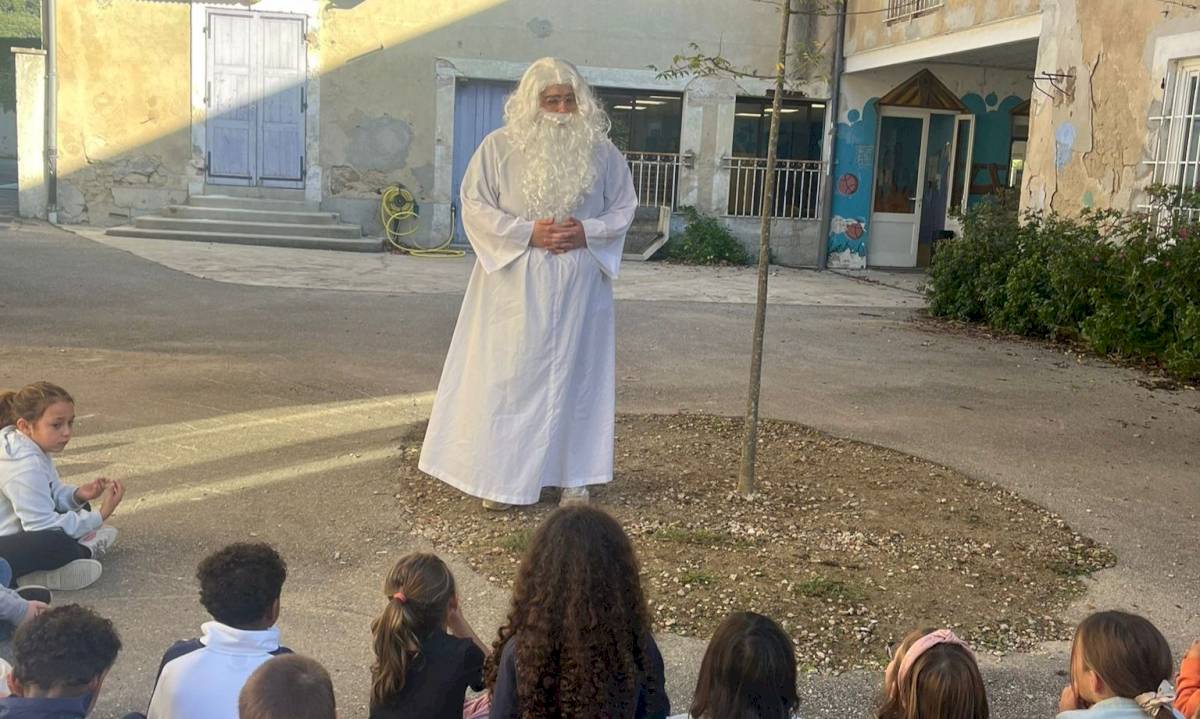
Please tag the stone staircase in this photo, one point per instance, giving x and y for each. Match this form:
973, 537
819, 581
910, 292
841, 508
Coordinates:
650, 230
251, 216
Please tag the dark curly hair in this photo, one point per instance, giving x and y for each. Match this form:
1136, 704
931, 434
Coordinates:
578, 620
64, 648
238, 584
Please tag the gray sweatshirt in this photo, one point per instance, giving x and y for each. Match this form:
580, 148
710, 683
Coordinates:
32, 497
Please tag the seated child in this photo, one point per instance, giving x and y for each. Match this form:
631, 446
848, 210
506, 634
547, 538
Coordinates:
1187, 685
577, 639
60, 660
201, 678
18, 606
48, 532
426, 654
933, 674
1120, 669
748, 672
288, 687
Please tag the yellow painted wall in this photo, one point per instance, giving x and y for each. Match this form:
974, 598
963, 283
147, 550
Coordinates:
1088, 148
867, 27
123, 105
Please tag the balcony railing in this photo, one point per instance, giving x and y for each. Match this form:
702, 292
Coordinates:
655, 177
904, 9
797, 187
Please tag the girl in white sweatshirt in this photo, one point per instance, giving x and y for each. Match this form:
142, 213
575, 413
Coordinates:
48, 531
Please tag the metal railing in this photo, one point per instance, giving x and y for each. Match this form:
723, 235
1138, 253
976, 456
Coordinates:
797, 187
904, 9
655, 177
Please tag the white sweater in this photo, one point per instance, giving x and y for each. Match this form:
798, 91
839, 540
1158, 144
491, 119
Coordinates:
32, 497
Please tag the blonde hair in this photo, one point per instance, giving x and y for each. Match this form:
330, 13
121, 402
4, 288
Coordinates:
30, 402
943, 682
418, 590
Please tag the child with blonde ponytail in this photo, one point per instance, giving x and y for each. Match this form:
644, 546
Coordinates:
426, 654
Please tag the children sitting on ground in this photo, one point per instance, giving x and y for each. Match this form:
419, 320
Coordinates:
748, 672
60, 660
426, 654
19, 606
48, 532
1120, 669
288, 687
577, 639
200, 678
1187, 684
933, 674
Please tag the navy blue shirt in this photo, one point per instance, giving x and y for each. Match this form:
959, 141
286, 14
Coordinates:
44, 708
652, 702
435, 686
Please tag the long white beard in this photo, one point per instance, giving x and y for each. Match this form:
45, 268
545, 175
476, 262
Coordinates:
559, 151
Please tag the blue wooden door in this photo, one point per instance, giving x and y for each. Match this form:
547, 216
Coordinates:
478, 109
256, 76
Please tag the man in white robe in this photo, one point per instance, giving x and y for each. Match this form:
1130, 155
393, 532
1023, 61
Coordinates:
527, 395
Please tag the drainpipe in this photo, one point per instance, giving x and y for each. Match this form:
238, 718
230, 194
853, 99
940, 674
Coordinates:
833, 109
50, 43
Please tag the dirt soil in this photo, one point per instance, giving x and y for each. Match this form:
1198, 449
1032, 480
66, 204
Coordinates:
848, 545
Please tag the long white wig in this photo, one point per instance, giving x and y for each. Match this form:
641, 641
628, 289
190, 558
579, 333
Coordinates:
559, 150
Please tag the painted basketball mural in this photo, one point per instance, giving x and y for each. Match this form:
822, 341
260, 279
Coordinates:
847, 184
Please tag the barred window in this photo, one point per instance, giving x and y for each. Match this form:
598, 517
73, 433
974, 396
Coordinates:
1175, 132
903, 9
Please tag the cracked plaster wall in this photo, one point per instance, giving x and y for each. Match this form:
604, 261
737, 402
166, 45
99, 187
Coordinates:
123, 109
1088, 145
867, 29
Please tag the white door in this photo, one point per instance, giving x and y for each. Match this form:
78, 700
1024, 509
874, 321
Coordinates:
899, 179
960, 172
256, 102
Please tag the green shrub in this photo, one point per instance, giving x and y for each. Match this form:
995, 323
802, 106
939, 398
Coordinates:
705, 242
1123, 283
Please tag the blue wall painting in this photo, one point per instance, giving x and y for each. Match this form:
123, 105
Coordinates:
854, 164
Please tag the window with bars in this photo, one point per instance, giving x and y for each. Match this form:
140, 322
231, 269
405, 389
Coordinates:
1175, 132
903, 9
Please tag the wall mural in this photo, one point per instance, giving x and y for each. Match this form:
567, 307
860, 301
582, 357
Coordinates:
854, 168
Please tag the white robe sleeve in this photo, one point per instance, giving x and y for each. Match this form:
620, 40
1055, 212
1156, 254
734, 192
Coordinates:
606, 233
497, 237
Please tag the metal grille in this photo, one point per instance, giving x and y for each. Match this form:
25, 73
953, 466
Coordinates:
797, 187
655, 177
1175, 135
902, 9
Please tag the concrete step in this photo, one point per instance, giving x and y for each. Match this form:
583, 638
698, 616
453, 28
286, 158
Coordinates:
361, 244
639, 242
252, 203
237, 215
257, 193
156, 222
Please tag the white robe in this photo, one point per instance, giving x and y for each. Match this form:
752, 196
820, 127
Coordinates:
527, 394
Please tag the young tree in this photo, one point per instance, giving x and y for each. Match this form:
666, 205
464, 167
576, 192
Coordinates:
804, 59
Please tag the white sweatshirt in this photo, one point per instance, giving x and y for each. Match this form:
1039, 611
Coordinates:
32, 497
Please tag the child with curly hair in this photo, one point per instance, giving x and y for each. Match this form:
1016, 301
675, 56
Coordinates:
577, 640
426, 654
933, 675
201, 678
748, 672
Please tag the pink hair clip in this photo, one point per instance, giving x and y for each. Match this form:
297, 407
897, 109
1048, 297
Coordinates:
399, 597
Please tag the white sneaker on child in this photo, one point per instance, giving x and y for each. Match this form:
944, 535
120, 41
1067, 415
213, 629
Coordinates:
67, 578
573, 495
100, 540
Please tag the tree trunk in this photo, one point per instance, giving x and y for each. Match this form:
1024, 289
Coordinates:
746, 481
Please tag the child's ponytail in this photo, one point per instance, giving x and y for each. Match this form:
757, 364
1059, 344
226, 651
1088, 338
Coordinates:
29, 402
1131, 656
419, 590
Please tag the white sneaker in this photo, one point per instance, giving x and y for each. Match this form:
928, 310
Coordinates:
496, 506
67, 578
573, 495
100, 540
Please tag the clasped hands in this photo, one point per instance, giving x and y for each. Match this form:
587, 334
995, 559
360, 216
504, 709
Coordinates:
558, 237
96, 488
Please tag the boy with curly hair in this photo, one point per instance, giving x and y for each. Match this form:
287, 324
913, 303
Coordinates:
60, 660
201, 678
